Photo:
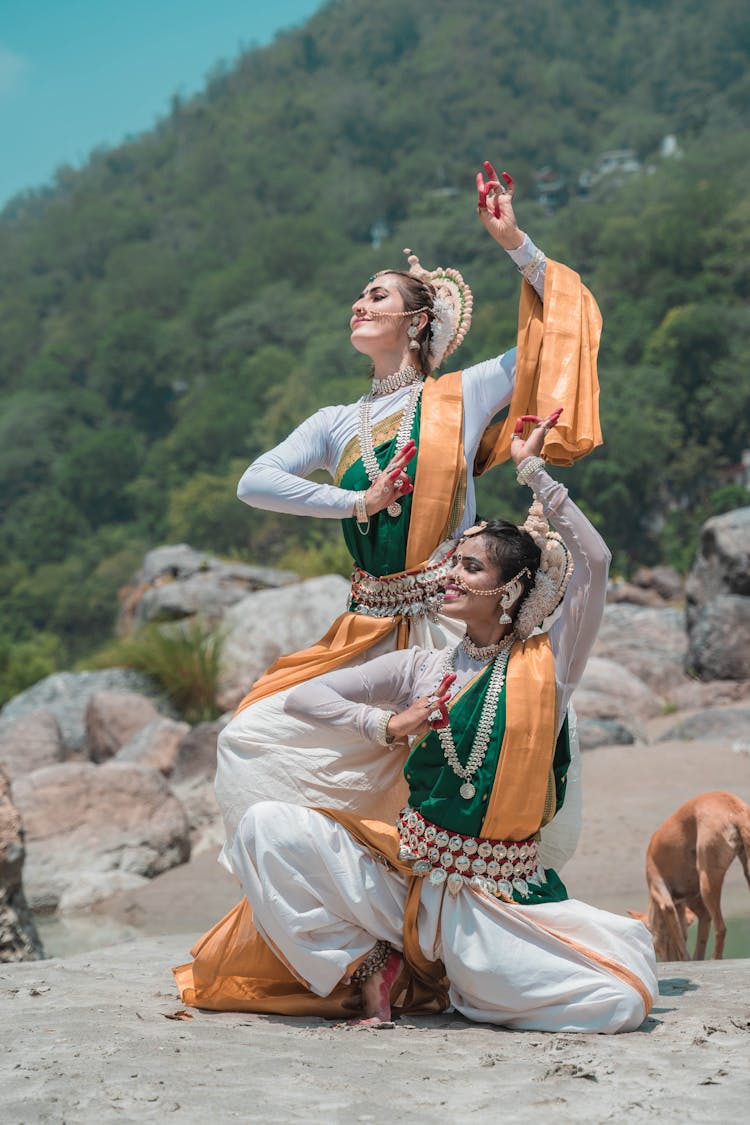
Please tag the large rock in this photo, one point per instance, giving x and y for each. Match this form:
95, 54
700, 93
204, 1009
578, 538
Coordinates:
156, 746
67, 695
728, 725
702, 694
650, 643
593, 733
19, 940
608, 691
265, 625
196, 757
720, 639
92, 830
113, 718
718, 599
176, 581
31, 742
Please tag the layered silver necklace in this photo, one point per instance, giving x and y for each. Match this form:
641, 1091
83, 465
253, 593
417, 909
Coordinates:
403, 378
366, 446
486, 719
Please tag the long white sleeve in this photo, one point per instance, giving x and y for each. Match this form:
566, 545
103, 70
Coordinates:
573, 634
355, 698
276, 480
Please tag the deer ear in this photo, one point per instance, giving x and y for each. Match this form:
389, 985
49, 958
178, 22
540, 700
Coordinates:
638, 916
690, 916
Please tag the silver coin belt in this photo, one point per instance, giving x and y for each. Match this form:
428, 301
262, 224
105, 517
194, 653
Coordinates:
412, 593
498, 867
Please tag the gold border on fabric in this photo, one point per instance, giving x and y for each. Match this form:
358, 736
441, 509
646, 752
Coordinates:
441, 461
558, 343
518, 800
384, 430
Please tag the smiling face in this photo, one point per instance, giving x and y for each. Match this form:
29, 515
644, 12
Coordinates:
473, 569
373, 324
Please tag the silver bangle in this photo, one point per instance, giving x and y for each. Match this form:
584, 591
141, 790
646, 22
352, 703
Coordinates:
527, 468
360, 513
381, 731
528, 271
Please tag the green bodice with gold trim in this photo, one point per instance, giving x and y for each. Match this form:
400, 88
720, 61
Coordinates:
382, 550
434, 787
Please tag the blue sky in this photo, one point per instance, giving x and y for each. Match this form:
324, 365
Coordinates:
75, 74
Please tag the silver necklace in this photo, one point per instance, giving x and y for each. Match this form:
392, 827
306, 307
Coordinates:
484, 726
481, 653
403, 378
366, 447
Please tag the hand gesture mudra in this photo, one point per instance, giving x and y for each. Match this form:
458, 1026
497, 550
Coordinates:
520, 447
425, 712
495, 207
393, 482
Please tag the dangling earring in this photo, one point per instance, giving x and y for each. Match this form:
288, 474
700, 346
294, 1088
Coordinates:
510, 595
412, 332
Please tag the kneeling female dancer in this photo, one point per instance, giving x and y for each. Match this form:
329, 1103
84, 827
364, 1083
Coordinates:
458, 895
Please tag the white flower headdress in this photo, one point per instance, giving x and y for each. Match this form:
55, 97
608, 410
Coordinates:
552, 577
451, 308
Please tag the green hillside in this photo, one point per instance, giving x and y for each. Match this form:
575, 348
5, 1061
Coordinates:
181, 303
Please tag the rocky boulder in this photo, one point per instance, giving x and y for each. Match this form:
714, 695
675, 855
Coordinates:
66, 695
31, 742
113, 718
650, 643
719, 646
593, 733
264, 625
156, 746
93, 830
19, 940
609, 691
177, 581
728, 725
718, 599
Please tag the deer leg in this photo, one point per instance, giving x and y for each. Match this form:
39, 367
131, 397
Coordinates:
704, 927
710, 883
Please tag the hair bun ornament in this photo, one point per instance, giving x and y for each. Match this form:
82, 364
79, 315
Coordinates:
451, 308
552, 577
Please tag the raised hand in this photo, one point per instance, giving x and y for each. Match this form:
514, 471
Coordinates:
495, 207
415, 720
393, 482
520, 447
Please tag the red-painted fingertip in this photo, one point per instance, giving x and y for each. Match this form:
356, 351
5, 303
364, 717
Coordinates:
508, 180
489, 170
518, 428
530, 418
394, 474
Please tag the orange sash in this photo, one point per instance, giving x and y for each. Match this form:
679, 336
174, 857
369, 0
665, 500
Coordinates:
519, 801
558, 343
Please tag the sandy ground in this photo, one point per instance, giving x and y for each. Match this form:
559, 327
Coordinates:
85, 1039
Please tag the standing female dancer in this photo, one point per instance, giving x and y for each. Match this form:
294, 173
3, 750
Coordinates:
402, 459
457, 901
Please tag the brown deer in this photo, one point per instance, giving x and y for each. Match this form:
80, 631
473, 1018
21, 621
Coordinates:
686, 862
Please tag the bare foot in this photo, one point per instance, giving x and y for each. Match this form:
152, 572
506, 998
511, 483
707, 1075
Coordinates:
376, 994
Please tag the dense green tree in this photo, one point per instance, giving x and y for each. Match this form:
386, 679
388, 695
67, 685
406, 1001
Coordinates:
181, 302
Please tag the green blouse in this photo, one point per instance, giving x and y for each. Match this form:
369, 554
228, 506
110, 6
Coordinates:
382, 550
433, 786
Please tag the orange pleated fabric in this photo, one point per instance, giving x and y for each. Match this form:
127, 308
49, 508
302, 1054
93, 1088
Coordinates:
558, 344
